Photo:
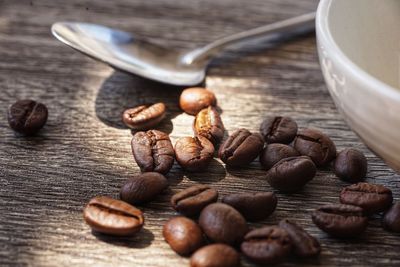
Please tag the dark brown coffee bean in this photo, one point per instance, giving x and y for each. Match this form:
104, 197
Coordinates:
340, 220
208, 124
143, 188
304, 244
266, 245
253, 206
273, 153
215, 255
111, 216
192, 100
194, 153
291, 174
193, 199
241, 148
278, 129
153, 151
372, 198
351, 165
222, 223
391, 220
318, 146
27, 116
183, 235
144, 117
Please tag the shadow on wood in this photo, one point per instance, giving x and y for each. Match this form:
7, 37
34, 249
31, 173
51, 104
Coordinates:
142, 239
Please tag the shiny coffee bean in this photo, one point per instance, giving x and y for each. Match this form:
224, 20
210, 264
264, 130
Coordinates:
111, 216
340, 220
241, 148
372, 198
351, 165
27, 116
315, 144
273, 153
192, 100
183, 235
304, 244
153, 151
194, 153
144, 117
192, 200
208, 124
253, 206
222, 224
215, 255
291, 174
278, 129
266, 245
391, 219
143, 188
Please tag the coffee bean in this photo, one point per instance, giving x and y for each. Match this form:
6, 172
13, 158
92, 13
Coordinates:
144, 117
208, 124
27, 116
215, 255
253, 206
391, 219
291, 174
266, 245
372, 198
193, 199
241, 148
273, 153
340, 220
304, 244
153, 151
222, 223
318, 146
351, 165
111, 216
143, 188
192, 100
278, 129
194, 153
183, 235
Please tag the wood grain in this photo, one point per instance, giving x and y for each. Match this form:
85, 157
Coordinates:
84, 150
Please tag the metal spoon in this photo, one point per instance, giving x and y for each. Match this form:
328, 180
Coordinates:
135, 55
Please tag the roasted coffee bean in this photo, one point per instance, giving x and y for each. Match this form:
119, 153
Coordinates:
318, 146
153, 151
222, 223
340, 220
372, 198
253, 206
183, 235
215, 255
144, 117
391, 219
208, 124
143, 188
194, 153
273, 153
111, 216
241, 148
304, 244
27, 116
351, 165
193, 199
192, 100
266, 245
278, 129
291, 174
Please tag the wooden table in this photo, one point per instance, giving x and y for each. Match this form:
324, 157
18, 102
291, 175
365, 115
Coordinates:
84, 150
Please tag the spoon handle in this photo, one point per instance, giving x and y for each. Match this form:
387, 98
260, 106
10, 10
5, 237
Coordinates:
273, 32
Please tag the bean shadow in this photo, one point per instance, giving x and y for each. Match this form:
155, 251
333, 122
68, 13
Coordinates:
140, 240
214, 173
